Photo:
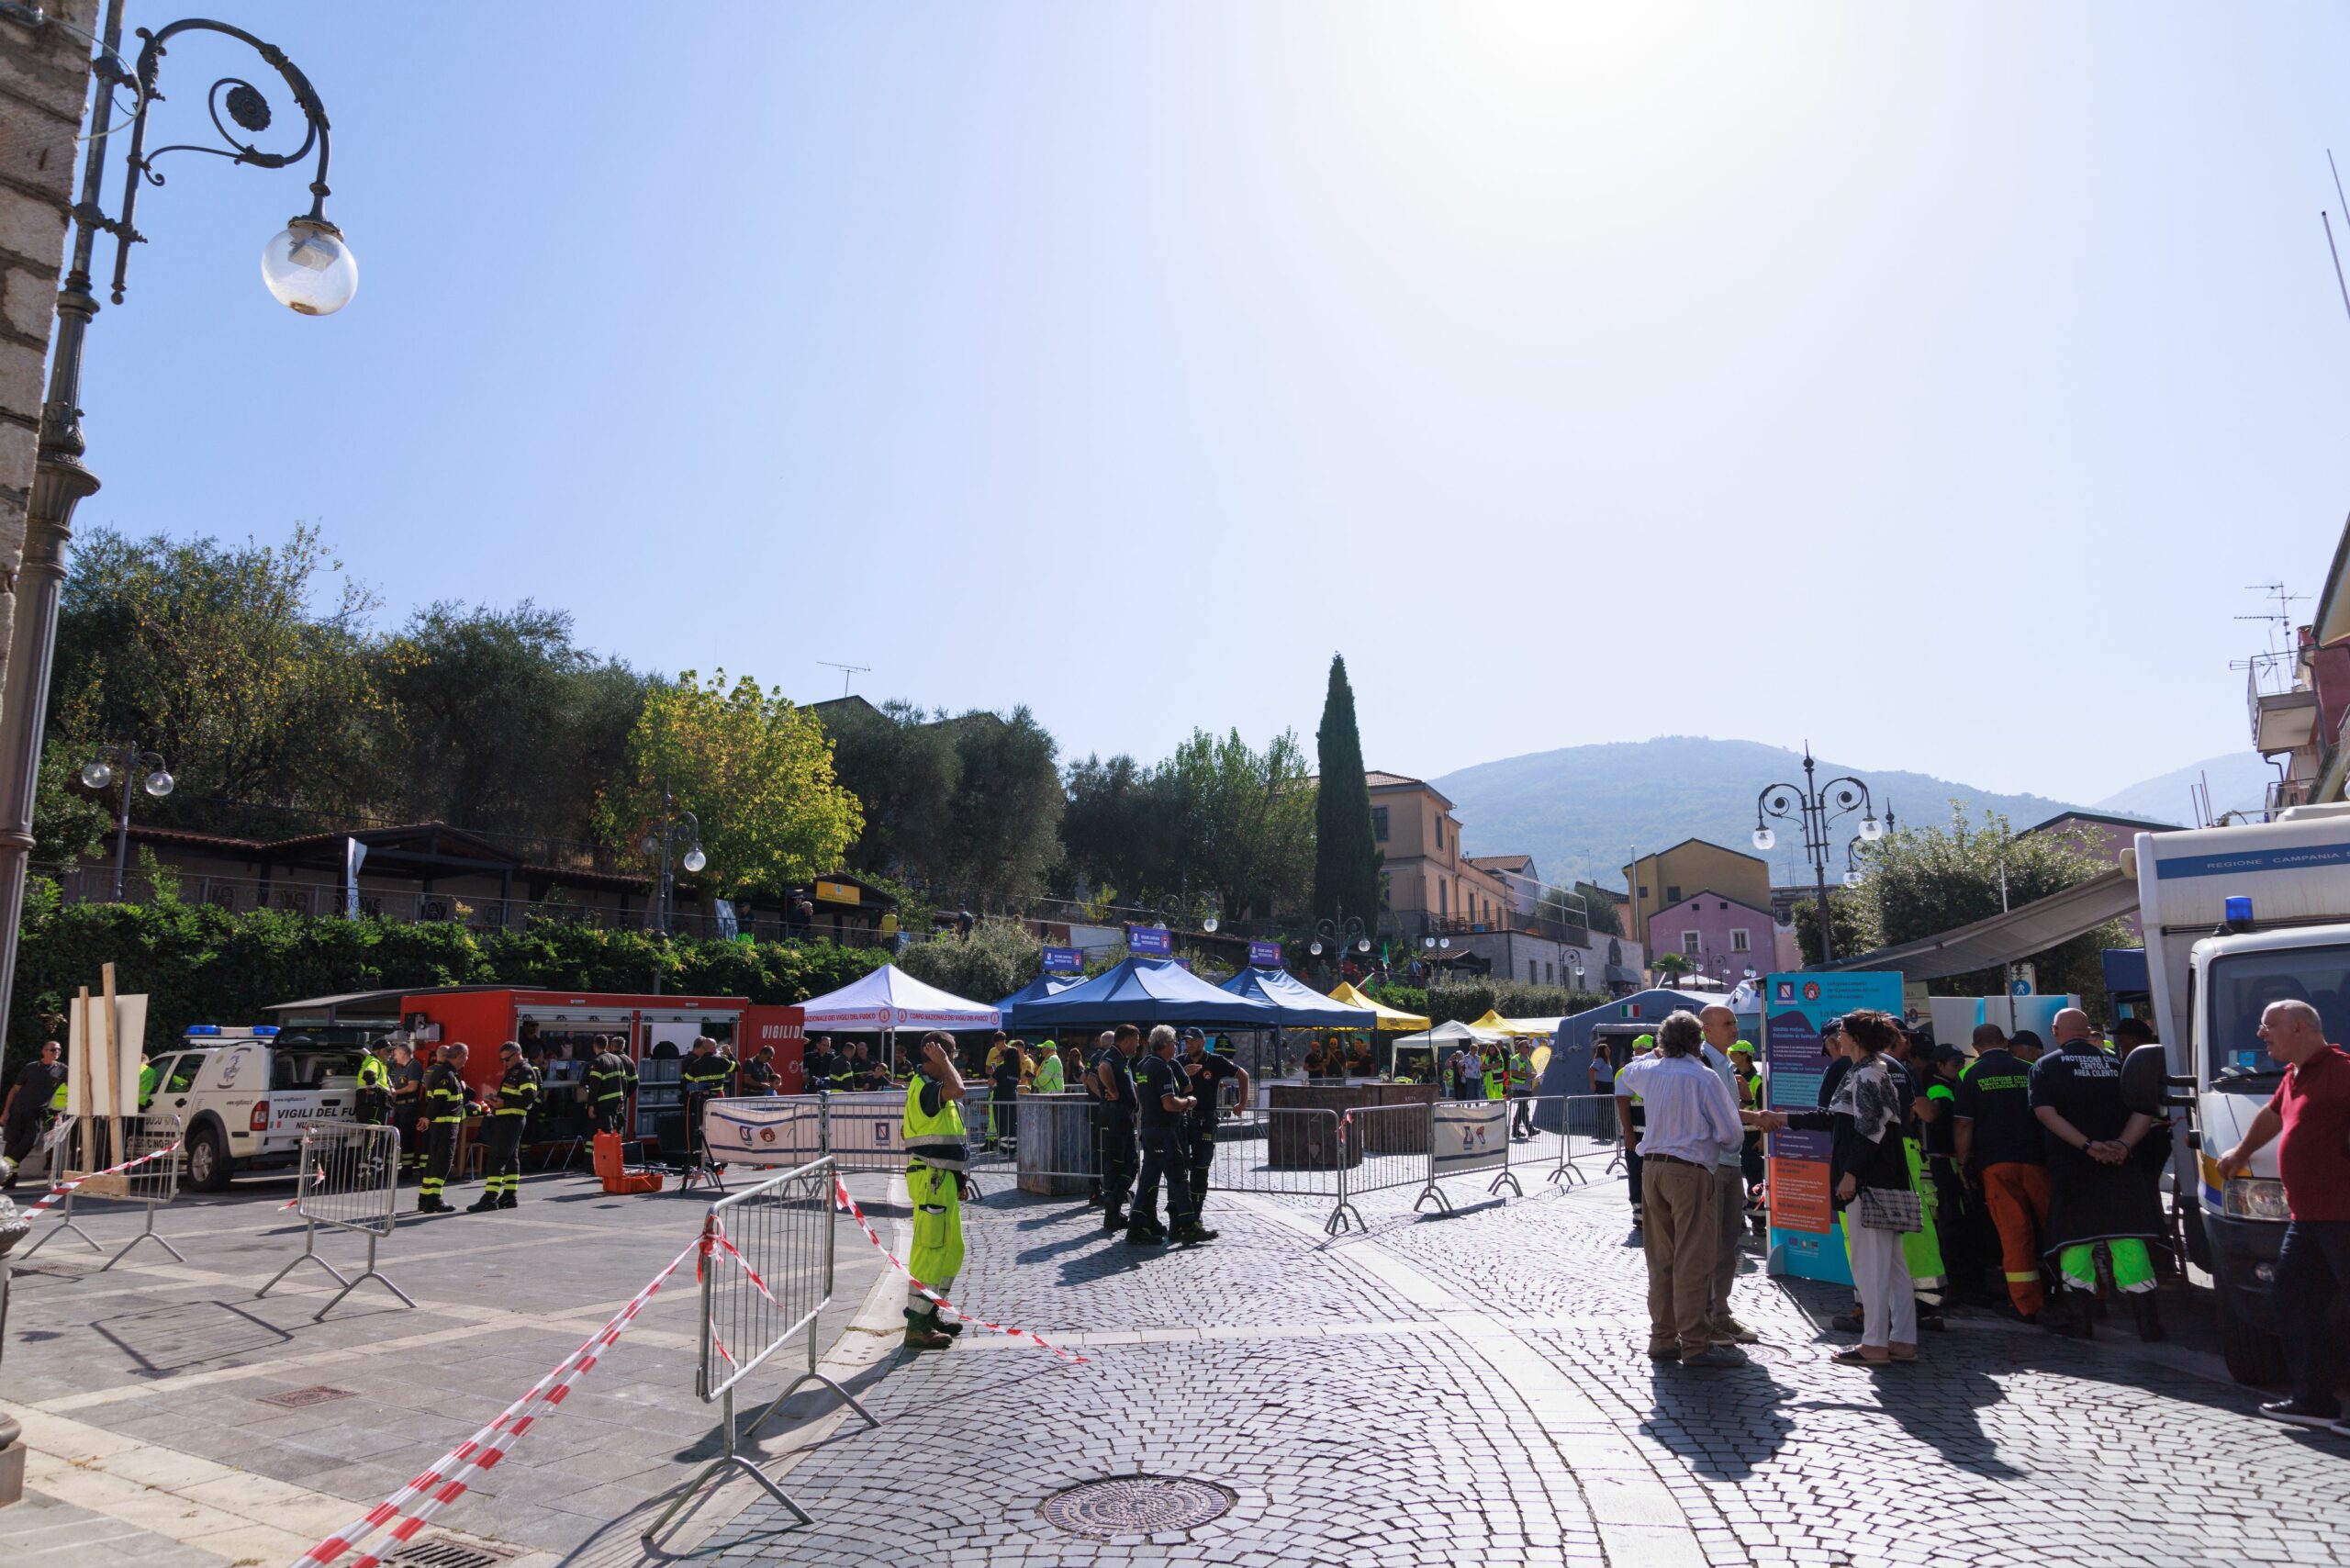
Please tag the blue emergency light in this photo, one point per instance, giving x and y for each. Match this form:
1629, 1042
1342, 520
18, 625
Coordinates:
2239, 911
264, 1030
204, 1028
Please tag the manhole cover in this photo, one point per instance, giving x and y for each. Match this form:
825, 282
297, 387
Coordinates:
1136, 1505
442, 1552
316, 1394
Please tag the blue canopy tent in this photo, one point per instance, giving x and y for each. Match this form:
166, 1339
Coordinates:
1570, 1069
1035, 990
1301, 1006
1143, 991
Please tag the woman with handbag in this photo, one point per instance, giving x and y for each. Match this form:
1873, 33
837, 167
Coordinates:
1868, 1174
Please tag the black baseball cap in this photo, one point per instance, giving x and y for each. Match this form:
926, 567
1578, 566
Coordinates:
1194, 1033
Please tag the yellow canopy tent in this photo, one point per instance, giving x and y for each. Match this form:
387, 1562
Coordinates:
1494, 1023
1389, 1018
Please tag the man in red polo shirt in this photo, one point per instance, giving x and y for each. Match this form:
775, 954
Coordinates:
2311, 1110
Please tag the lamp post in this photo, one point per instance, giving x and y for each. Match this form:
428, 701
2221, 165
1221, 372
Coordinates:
307, 266
1434, 947
1812, 807
1336, 938
678, 825
124, 762
1574, 969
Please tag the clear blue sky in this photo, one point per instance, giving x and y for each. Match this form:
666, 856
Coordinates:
1925, 381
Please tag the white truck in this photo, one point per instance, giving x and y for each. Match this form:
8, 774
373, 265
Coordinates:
2236, 918
243, 1092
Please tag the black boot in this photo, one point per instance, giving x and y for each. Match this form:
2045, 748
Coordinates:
1112, 1222
482, 1205
508, 1200
2149, 1317
1190, 1233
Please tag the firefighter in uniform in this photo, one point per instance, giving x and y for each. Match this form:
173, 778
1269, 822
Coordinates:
1113, 1077
1206, 1072
518, 1095
936, 1184
374, 1099
708, 1073
408, 1100
446, 1101
758, 1071
610, 1080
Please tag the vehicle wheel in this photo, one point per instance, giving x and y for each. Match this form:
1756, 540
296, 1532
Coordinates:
207, 1161
2255, 1357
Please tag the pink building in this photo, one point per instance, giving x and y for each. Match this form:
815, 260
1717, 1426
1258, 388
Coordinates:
1719, 934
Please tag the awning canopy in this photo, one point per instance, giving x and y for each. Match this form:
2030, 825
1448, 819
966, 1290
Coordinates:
1300, 1006
1450, 1034
1144, 991
1037, 990
890, 998
1494, 1024
1389, 1017
2003, 938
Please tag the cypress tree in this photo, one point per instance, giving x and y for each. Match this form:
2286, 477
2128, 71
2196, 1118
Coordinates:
1345, 857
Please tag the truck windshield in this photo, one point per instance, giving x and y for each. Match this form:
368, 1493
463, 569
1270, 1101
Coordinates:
2242, 984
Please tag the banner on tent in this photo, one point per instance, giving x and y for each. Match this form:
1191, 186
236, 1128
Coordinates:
770, 1130
1064, 961
1265, 954
1151, 941
1466, 1135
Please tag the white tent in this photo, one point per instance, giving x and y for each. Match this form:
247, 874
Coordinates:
1454, 1034
890, 998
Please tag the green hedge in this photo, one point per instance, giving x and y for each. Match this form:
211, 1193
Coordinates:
203, 965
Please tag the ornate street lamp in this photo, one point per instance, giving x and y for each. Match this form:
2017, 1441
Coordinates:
1812, 807
306, 267
677, 826
124, 762
1336, 938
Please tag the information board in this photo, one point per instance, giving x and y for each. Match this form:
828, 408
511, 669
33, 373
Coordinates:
764, 1130
1469, 1136
1805, 1237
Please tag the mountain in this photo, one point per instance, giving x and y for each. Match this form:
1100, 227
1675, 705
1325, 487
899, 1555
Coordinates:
1579, 810
2239, 783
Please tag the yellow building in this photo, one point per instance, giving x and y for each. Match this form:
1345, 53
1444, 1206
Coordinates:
1691, 866
1429, 885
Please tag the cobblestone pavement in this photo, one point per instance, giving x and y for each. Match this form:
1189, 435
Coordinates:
1440, 1391
1472, 1389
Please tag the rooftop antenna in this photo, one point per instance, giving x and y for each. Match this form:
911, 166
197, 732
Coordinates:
2331, 248
2279, 622
847, 672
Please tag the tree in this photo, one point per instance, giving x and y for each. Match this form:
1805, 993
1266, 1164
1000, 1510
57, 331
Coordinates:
1007, 807
214, 656
1601, 907
481, 700
1345, 855
903, 769
1851, 923
997, 958
1245, 821
1670, 966
1116, 829
754, 770
1921, 881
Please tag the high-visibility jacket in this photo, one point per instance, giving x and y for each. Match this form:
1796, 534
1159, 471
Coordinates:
517, 1091
374, 1074
1051, 1078
933, 1141
707, 1075
610, 1078
445, 1096
146, 1086
1521, 1071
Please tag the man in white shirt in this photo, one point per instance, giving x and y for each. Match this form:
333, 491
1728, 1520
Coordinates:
1691, 1123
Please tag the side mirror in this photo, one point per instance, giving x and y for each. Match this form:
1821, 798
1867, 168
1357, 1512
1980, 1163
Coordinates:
2147, 1082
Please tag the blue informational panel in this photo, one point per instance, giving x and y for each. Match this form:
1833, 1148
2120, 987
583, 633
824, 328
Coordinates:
1806, 1241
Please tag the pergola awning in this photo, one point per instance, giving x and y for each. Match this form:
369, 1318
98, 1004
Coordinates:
2003, 938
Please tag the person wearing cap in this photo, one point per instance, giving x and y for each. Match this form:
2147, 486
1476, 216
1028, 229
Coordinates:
1206, 1072
1050, 1076
516, 1096
374, 1103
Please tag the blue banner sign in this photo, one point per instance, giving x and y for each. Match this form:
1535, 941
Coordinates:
1265, 954
1806, 1241
1150, 941
1064, 961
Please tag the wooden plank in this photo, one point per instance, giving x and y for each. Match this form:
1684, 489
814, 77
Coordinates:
114, 1070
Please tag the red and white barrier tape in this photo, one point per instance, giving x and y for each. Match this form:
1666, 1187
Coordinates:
401, 1516
840, 1189
64, 1187
296, 1202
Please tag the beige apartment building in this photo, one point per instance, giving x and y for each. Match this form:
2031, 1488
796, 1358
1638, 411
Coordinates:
1430, 887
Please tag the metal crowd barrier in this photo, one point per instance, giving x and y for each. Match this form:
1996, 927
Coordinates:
93, 1144
1392, 1145
348, 1179
1465, 1139
1570, 1130
767, 1273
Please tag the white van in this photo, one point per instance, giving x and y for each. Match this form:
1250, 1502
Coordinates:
242, 1093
